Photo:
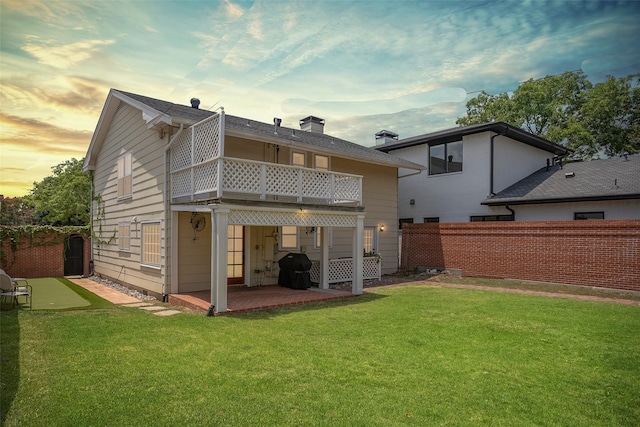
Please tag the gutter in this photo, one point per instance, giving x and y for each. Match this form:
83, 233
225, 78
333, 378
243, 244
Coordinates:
560, 200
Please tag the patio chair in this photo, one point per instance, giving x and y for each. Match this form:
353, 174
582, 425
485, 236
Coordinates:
14, 288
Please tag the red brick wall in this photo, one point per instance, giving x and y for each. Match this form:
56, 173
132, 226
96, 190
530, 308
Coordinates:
589, 253
42, 256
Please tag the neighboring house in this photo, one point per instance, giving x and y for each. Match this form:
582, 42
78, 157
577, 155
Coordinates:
598, 189
187, 199
465, 167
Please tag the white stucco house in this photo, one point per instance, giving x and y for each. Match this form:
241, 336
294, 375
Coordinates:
187, 200
498, 172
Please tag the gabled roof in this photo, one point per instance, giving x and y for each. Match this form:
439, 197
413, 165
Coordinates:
616, 178
159, 113
456, 134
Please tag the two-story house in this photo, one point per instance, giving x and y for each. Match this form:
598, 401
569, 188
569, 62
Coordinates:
186, 199
497, 172
465, 166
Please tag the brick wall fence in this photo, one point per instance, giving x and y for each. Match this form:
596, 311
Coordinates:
591, 253
40, 255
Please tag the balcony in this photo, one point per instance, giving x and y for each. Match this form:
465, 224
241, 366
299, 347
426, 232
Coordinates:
238, 178
199, 171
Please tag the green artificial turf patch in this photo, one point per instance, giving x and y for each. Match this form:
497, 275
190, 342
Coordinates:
52, 294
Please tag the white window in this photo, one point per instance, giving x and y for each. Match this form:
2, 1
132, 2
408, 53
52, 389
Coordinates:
289, 237
150, 244
298, 159
370, 240
318, 234
321, 162
124, 176
124, 236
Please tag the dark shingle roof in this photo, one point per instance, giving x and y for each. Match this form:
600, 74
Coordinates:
456, 134
609, 179
320, 142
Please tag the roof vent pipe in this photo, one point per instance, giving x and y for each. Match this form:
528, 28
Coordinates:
195, 103
276, 124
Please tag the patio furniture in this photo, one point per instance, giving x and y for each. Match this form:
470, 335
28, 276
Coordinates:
15, 288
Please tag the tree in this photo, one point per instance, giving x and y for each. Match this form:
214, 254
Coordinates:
63, 198
589, 119
15, 211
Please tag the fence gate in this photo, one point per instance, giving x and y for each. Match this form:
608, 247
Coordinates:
74, 256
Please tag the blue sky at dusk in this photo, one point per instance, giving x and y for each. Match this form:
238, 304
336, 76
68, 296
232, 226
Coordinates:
363, 66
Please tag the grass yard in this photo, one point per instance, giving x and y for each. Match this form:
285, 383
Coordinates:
410, 355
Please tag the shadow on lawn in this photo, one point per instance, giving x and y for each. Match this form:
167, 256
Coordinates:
9, 357
366, 297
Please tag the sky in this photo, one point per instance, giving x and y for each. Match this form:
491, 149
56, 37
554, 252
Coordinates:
363, 66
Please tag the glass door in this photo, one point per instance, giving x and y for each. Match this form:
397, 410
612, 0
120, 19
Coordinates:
235, 255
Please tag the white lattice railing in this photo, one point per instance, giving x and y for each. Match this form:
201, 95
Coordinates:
341, 269
261, 179
199, 171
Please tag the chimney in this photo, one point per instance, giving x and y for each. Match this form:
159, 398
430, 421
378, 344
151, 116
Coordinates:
385, 136
195, 103
312, 124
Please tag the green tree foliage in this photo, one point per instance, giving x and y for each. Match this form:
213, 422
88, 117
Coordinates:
16, 211
589, 119
63, 198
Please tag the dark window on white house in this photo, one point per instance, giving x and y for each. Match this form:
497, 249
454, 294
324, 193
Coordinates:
431, 219
404, 221
445, 158
588, 215
486, 218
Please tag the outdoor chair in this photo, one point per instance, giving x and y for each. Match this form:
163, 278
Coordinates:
15, 288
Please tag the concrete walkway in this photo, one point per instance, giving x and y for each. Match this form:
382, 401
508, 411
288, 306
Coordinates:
122, 299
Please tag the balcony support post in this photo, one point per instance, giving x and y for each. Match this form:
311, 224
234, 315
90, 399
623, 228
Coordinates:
358, 253
219, 246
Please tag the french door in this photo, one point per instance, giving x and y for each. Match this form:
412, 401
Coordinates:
235, 255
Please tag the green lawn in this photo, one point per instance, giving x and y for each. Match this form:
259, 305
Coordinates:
411, 355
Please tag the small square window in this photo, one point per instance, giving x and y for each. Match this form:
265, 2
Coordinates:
403, 221
289, 237
298, 159
321, 162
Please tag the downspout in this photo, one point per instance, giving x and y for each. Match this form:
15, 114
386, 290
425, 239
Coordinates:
165, 294
91, 262
513, 213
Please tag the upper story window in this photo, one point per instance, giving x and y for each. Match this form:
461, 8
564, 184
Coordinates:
150, 244
321, 162
298, 159
124, 176
431, 219
124, 236
445, 158
588, 215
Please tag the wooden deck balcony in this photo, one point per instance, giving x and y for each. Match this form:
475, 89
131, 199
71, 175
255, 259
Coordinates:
247, 179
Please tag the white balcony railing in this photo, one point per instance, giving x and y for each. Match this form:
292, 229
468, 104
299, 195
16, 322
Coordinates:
233, 177
341, 269
200, 171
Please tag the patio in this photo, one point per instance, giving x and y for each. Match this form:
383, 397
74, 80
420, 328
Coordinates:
243, 299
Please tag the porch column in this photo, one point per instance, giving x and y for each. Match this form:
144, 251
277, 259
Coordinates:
324, 258
219, 243
358, 251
